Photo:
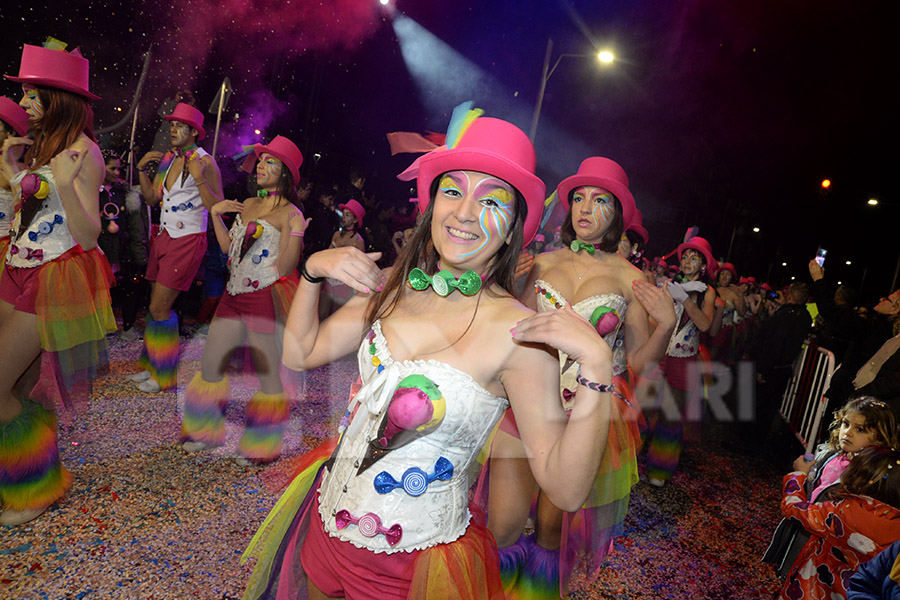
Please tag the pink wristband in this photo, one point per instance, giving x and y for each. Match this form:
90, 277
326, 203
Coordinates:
297, 233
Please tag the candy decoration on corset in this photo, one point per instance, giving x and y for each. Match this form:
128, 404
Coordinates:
546, 294
604, 319
369, 525
35, 185
253, 232
414, 480
45, 228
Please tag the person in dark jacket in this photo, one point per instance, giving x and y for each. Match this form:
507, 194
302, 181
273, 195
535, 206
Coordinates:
879, 578
841, 324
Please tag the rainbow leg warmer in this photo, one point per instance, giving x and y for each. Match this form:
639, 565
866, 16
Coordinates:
31, 476
539, 576
266, 417
204, 411
511, 560
664, 450
160, 354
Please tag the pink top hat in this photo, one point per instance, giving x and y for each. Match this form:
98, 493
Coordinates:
13, 115
54, 68
728, 267
637, 226
187, 114
702, 246
489, 146
281, 148
604, 173
356, 208
766, 286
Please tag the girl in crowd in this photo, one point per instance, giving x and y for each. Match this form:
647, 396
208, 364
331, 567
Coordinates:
860, 523
263, 247
602, 286
695, 308
862, 423
13, 122
352, 215
721, 345
444, 348
54, 295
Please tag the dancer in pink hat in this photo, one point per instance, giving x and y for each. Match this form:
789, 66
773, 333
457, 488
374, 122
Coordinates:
263, 247
612, 295
722, 345
443, 349
13, 122
54, 294
695, 306
634, 239
188, 184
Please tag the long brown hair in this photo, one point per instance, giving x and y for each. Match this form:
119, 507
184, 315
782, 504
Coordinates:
420, 252
609, 242
874, 472
66, 116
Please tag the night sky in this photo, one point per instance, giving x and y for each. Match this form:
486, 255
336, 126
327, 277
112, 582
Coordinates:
725, 115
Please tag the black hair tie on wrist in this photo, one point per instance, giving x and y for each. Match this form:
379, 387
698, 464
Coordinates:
309, 277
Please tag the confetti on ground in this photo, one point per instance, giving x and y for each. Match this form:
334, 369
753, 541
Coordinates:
144, 519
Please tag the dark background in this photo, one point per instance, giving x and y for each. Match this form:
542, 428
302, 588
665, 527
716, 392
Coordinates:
726, 115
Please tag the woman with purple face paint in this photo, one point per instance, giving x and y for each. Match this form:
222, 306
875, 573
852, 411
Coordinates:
263, 247
444, 348
589, 277
54, 295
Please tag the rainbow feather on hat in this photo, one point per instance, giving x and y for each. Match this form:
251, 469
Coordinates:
460, 120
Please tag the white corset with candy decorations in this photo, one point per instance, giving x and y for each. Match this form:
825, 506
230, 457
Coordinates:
47, 237
398, 480
252, 255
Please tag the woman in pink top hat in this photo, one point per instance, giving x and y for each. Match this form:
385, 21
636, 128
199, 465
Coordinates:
263, 247
13, 122
352, 216
54, 295
695, 306
443, 348
723, 343
600, 285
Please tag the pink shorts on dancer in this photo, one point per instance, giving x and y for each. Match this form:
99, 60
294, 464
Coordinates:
256, 310
174, 262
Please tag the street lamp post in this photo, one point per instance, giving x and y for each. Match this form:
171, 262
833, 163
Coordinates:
547, 71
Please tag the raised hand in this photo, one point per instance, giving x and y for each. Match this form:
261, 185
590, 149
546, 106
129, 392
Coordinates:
568, 332
656, 301
227, 206
196, 166
152, 156
297, 223
348, 265
14, 148
66, 166
526, 261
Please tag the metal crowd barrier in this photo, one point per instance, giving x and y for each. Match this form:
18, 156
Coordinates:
803, 404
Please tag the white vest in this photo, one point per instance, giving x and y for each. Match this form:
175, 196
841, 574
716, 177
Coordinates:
685, 340
182, 211
48, 235
258, 269
440, 514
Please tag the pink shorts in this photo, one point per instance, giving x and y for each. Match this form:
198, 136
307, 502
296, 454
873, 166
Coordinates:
341, 569
175, 261
256, 310
19, 287
681, 372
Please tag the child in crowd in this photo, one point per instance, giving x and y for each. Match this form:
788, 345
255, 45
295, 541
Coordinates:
861, 423
845, 533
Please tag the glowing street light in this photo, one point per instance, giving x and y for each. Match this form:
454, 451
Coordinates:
784, 264
826, 183
384, 2
873, 202
848, 263
604, 56
756, 230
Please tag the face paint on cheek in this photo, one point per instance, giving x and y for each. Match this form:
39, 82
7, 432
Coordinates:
602, 212
495, 219
270, 173
35, 106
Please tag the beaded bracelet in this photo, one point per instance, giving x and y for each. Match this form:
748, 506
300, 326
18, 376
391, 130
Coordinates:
309, 277
597, 387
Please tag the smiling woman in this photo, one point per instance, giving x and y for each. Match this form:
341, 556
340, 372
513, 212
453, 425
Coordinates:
438, 370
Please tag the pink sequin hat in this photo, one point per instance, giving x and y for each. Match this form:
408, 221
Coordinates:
281, 148
702, 246
489, 146
187, 114
604, 173
637, 226
54, 68
356, 208
13, 115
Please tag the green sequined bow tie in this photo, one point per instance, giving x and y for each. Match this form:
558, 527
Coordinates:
444, 282
577, 245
